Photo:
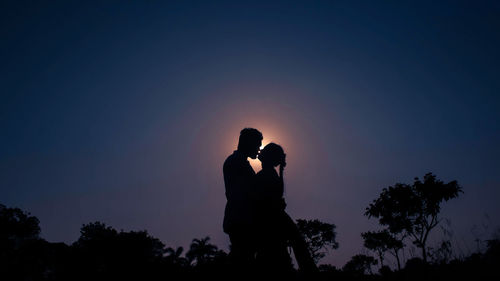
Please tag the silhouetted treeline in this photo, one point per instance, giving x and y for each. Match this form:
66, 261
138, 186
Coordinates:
406, 213
103, 253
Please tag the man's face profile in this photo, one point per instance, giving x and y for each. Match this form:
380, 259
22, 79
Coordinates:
255, 149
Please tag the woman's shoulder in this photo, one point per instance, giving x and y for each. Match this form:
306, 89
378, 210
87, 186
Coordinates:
268, 178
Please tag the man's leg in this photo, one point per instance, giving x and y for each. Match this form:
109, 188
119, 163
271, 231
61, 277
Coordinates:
242, 254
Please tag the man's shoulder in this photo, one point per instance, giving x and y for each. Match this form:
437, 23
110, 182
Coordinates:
229, 160
234, 159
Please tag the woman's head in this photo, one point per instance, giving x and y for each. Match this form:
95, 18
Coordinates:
272, 155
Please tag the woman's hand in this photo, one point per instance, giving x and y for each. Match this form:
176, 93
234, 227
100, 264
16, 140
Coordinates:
282, 165
282, 204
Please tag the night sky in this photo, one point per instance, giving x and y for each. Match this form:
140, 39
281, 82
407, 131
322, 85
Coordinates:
124, 111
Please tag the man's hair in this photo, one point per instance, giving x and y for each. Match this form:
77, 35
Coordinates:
248, 137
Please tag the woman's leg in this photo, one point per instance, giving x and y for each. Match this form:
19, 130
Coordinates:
299, 245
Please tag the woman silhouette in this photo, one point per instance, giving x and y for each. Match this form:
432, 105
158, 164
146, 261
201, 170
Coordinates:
277, 230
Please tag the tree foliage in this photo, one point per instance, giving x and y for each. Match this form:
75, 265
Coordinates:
16, 224
319, 236
174, 257
201, 252
360, 264
103, 251
413, 209
381, 242
22, 252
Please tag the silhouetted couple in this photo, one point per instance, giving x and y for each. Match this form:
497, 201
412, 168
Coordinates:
255, 219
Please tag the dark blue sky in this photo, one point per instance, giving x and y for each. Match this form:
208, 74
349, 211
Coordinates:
124, 111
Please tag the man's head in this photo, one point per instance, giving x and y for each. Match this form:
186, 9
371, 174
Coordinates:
250, 142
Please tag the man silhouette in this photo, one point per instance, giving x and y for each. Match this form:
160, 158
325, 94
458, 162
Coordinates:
239, 215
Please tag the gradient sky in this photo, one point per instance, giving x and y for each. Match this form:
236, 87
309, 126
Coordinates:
124, 111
